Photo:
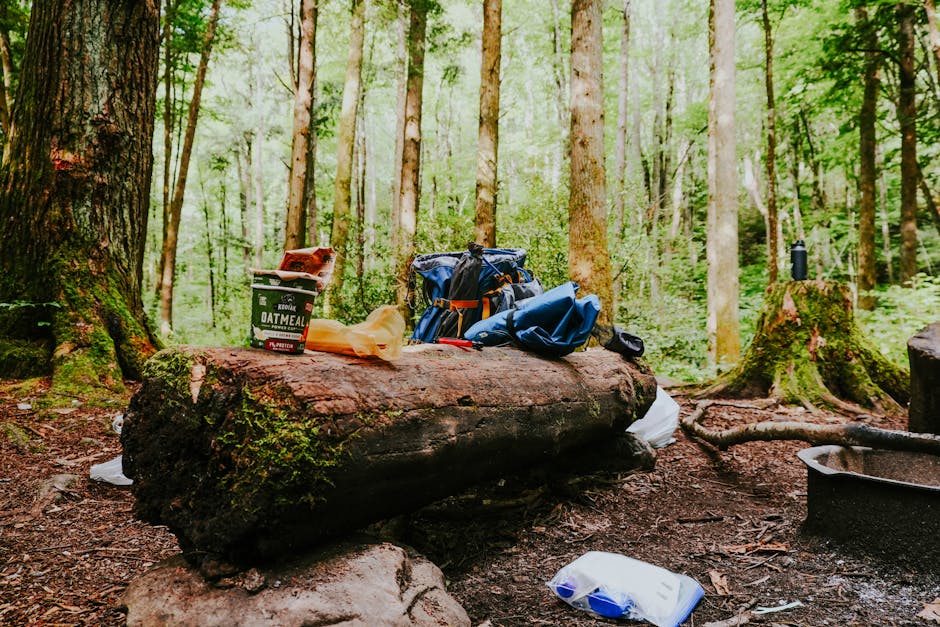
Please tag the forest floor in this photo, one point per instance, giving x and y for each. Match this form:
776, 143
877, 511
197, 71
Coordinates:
731, 520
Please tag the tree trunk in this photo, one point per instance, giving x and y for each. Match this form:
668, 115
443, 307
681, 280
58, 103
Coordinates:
722, 228
808, 350
6, 64
345, 146
488, 142
588, 257
931, 203
168, 256
294, 231
411, 153
773, 246
251, 454
401, 75
622, 102
907, 120
867, 120
933, 32
310, 183
75, 193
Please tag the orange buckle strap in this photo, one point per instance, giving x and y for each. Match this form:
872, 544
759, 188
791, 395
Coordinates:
464, 304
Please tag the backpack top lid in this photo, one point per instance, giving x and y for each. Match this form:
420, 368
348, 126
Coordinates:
438, 268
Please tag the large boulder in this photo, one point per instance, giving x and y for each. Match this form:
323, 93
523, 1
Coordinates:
349, 585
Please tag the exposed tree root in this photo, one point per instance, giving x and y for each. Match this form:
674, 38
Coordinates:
852, 434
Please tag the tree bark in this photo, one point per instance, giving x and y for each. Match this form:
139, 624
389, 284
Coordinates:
622, 102
808, 350
75, 192
401, 75
488, 142
933, 32
907, 120
294, 231
588, 257
722, 228
251, 454
168, 261
411, 153
867, 173
851, 434
773, 245
345, 146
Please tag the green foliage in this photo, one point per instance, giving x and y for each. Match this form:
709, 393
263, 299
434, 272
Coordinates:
901, 312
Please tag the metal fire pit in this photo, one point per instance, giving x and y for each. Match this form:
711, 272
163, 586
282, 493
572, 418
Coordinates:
886, 503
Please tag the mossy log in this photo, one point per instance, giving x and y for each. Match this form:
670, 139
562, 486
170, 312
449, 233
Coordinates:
923, 351
809, 350
247, 455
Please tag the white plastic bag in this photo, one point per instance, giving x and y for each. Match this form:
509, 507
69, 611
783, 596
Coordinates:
616, 586
660, 422
110, 472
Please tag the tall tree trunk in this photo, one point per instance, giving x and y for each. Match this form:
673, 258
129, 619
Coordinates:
773, 245
244, 169
169, 106
588, 257
722, 228
6, 87
310, 189
411, 152
488, 142
622, 102
933, 32
294, 231
932, 207
867, 119
361, 164
401, 74
345, 146
176, 205
210, 251
257, 163
75, 193
907, 120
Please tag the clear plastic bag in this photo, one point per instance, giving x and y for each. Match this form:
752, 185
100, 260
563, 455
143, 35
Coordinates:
379, 335
110, 472
616, 586
659, 422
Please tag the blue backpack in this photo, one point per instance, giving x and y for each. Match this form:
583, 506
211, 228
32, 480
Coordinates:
461, 288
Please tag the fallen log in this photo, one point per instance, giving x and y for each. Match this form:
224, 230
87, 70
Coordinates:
248, 455
850, 434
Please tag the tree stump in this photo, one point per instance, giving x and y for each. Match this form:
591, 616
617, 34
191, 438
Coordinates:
923, 351
808, 350
249, 455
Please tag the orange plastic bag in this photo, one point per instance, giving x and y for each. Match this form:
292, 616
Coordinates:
379, 335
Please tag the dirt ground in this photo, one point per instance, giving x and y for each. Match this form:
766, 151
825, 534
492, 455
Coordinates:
731, 520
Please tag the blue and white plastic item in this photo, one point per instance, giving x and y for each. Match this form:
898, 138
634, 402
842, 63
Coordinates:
659, 422
616, 586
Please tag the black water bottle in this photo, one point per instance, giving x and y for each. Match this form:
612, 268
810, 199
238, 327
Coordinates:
798, 261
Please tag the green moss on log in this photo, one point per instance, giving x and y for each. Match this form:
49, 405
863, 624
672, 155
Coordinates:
809, 350
269, 447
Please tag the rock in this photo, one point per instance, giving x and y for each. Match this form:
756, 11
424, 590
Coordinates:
923, 351
348, 584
